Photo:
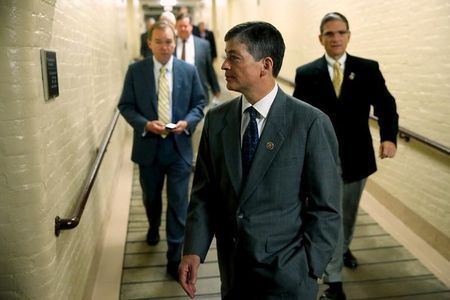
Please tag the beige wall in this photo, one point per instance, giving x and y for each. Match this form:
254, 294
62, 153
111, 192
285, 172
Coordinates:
411, 42
47, 147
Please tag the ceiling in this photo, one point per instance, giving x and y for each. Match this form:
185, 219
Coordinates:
153, 8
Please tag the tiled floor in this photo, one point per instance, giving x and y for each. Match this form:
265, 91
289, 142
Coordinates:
387, 270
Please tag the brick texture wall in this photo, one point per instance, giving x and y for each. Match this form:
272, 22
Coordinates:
48, 147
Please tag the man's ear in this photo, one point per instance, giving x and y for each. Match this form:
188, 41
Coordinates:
320, 39
267, 65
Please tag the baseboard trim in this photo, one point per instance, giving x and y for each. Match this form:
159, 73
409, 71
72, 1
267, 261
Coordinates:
384, 209
109, 274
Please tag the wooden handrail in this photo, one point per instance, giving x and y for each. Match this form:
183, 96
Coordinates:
403, 133
72, 222
407, 134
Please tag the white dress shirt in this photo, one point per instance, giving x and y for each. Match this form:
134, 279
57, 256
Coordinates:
189, 49
262, 107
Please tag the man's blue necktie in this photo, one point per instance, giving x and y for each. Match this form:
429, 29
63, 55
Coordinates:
249, 142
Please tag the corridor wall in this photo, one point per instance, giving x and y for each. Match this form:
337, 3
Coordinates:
48, 147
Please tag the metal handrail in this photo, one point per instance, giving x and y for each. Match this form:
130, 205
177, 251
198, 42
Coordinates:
403, 133
72, 222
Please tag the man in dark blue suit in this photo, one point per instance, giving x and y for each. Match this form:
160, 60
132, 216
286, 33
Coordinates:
345, 87
163, 151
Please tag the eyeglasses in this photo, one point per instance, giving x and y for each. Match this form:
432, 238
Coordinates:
332, 34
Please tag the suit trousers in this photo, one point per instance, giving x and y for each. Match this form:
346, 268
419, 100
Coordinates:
171, 166
307, 290
351, 196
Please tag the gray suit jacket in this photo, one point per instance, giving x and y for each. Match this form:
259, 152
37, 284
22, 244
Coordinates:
139, 103
282, 225
203, 62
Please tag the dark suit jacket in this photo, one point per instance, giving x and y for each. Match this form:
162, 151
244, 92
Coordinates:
138, 104
265, 229
363, 86
195, 30
145, 50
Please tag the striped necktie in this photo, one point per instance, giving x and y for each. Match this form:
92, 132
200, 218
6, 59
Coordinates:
163, 98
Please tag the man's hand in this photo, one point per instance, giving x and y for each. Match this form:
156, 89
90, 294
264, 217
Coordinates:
387, 149
156, 127
188, 274
181, 126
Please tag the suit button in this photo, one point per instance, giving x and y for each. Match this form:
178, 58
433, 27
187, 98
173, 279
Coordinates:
234, 240
241, 216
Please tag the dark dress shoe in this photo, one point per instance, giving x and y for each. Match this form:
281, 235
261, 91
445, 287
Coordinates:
334, 292
349, 260
153, 237
172, 269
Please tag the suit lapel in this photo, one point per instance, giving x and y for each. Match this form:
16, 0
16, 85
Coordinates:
198, 56
176, 87
349, 73
271, 141
231, 141
149, 84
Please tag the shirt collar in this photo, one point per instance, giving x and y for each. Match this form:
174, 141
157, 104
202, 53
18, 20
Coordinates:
168, 65
189, 40
263, 105
331, 60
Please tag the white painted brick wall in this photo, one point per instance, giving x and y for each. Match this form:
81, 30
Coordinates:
46, 148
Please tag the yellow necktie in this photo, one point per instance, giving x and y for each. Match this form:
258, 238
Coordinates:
337, 78
163, 98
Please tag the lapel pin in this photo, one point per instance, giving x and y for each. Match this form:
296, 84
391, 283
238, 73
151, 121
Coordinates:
351, 76
270, 146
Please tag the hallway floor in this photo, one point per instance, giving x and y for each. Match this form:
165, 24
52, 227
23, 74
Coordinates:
387, 270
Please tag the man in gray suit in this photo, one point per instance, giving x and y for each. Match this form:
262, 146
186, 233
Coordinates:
163, 151
275, 216
196, 51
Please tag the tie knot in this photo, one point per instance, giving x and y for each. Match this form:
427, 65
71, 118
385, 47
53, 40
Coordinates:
163, 70
252, 112
337, 65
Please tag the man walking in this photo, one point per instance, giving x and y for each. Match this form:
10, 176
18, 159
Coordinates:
163, 100
345, 87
